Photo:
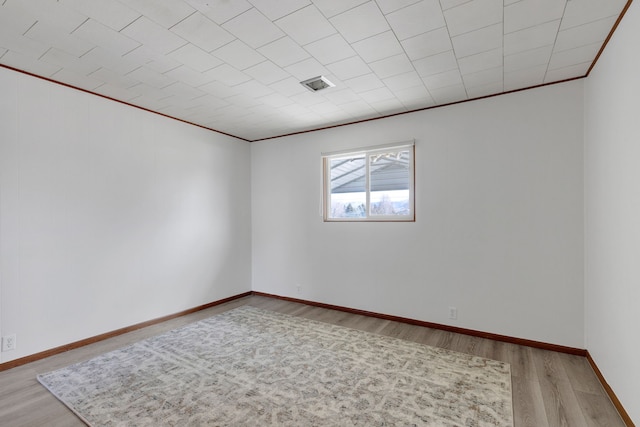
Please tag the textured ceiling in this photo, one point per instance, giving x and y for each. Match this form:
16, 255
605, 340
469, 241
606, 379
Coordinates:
234, 66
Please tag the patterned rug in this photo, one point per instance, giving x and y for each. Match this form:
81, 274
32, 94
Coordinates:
252, 367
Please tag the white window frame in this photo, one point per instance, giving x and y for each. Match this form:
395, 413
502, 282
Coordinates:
367, 152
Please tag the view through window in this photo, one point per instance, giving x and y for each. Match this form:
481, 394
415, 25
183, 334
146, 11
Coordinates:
374, 184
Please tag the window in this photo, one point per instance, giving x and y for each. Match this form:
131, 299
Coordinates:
372, 184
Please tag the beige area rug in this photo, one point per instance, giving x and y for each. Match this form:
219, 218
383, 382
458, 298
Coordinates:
251, 367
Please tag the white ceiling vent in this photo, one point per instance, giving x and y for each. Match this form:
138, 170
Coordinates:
317, 83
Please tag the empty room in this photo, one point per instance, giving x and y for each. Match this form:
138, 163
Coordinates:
319, 213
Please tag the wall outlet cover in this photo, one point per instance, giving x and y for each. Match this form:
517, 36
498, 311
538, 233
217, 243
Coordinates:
9, 342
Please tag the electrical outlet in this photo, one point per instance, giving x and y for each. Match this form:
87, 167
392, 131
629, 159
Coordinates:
9, 342
453, 313
299, 287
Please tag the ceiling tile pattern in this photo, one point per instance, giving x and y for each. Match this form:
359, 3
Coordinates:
235, 66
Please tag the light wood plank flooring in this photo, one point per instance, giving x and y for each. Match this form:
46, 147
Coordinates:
549, 389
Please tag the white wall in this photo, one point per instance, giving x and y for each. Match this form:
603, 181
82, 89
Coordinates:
499, 230
612, 200
110, 216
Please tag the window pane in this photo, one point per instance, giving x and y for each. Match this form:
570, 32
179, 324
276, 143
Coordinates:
348, 188
369, 184
389, 177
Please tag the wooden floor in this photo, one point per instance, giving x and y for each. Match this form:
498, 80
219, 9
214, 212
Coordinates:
549, 389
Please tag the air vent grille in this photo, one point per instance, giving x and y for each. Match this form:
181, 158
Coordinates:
317, 83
